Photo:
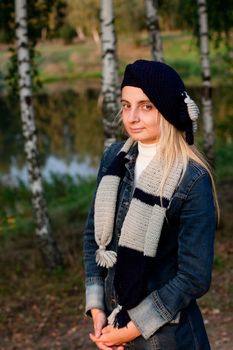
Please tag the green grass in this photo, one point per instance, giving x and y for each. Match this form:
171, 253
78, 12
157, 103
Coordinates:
224, 161
68, 205
59, 62
218, 262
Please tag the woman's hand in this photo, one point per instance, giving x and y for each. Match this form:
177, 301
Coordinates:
99, 322
115, 338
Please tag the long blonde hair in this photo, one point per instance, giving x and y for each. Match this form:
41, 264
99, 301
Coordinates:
173, 146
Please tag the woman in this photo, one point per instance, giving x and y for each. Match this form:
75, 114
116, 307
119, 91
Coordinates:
149, 238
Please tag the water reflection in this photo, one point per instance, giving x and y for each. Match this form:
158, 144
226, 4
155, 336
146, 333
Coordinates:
70, 136
75, 168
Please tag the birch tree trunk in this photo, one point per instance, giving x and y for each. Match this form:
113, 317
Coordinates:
110, 80
46, 241
152, 20
207, 109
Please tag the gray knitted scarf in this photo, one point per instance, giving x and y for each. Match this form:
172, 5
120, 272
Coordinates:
140, 231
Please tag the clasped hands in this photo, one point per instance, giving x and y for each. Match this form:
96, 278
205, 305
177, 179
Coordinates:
107, 337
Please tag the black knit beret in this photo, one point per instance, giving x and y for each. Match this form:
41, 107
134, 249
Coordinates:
164, 88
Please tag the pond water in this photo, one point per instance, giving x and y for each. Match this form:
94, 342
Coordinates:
70, 133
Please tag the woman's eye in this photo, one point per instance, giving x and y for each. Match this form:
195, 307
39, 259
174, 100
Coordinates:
147, 107
125, 106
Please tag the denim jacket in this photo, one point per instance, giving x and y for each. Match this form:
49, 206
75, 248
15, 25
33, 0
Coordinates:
183, 263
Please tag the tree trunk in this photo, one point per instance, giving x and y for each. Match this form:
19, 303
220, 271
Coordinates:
207, 109
110, 80
46, 241
96, 37
80, 34
152, 20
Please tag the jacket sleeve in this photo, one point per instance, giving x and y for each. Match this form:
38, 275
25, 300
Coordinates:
95, 275
195, 259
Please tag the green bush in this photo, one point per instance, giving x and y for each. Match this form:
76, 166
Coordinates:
68, 202
67, 33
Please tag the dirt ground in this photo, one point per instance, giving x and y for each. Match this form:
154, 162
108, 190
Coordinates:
44, 311
57, 332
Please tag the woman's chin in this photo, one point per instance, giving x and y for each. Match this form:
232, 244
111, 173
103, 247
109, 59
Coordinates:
142, 139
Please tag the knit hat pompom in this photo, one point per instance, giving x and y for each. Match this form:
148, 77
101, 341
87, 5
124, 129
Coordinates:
165, 89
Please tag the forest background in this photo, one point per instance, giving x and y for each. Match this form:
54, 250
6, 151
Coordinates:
41, 309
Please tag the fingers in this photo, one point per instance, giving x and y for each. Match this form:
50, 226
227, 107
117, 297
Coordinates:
98, 325
97, 332
106, 329
99, 320
100, 345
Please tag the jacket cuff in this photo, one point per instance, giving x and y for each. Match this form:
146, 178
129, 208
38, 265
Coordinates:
149, 315
94, 297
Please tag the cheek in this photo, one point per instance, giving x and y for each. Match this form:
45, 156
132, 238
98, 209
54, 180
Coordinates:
152, 121
156, 121
124, 119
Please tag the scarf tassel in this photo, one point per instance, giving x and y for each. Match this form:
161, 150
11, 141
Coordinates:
193, 111
119, 317
105, 258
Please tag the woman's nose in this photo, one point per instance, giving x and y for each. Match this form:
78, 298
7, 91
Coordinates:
133, 115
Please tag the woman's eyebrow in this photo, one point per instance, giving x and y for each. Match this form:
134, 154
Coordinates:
138, 102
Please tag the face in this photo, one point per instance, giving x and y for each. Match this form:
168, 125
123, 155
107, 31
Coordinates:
140, 117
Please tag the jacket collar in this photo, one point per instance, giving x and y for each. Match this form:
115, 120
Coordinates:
131, 157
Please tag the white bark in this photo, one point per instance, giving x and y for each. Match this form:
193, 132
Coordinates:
207, 109
96, 36
152, 19
43, 231
110, 81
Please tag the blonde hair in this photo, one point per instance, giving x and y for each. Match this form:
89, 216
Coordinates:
173, 146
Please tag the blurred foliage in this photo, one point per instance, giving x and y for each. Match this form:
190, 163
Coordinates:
44, 17
130, 17
83, 16
67, 33
6, 21
68, 204
12, 76
220, 18
74, 19
224, 161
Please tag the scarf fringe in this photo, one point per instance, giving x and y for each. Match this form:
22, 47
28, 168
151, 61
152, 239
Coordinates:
112, 316
119, 317
105, 258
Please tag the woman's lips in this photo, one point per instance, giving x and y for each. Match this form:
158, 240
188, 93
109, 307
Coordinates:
136, 130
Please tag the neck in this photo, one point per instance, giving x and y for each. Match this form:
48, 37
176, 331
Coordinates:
147, 149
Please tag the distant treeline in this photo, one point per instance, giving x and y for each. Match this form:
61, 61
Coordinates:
75, 19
